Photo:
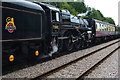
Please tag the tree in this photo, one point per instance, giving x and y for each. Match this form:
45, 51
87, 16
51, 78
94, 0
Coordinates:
69, 7
78, 6
109, 20
96, 14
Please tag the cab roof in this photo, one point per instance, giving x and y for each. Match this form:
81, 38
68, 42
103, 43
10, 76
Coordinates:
21, 4
48, 6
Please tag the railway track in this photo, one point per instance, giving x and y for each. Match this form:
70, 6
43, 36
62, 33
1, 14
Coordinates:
51, 69
59, 72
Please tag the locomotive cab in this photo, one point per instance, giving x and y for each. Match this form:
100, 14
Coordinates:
53, 25
53, 18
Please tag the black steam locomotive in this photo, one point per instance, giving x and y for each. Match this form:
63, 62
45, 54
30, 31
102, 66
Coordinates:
32, 30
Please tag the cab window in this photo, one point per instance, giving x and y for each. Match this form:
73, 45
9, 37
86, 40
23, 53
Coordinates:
55, 16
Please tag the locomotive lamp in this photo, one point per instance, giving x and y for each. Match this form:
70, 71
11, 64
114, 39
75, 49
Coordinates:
11, 58
36, 53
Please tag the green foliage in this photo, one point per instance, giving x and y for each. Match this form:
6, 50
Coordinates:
78, 6
84, 16
69, 7
109, 20
74, 7
96, 14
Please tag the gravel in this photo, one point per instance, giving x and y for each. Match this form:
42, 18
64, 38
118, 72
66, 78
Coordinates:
36, 70
77, 69
107, 69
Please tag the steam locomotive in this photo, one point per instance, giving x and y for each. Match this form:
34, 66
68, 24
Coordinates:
32, 30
